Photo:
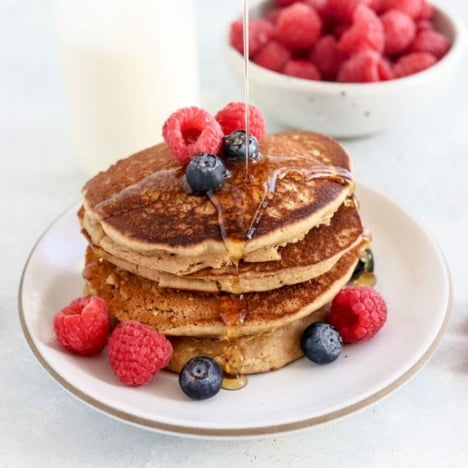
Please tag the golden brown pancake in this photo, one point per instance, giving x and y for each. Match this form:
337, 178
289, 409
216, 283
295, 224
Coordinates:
141, 212
188, 313
250, 354
312, 256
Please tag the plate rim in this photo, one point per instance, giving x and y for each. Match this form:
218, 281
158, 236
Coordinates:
245, 432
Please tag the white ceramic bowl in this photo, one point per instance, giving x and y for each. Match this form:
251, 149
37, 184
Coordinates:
346, 110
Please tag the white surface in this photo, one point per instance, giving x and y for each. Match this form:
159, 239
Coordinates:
404, 254
421, 163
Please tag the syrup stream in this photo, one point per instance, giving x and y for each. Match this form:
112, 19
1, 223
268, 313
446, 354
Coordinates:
245, 21
236, 382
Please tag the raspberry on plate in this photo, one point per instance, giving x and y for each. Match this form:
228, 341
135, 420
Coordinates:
137, 352
190, 131
366, 32
298, 26
232, 117
358, 313
82, 326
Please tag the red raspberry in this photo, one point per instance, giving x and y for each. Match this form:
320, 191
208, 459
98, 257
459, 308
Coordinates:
82, 326
298, 26
363, 67
284, 3
137, 352
410, 7
343, 10
385, 69
358, 313
273, 56
431, 41
399, 31
366, 32
190, 131
319, 5
272, 16
427, 11
423, 24
412, 63
260, 33
327, 56
301, 69
232, 117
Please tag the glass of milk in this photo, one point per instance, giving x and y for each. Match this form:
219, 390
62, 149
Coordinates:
127, 66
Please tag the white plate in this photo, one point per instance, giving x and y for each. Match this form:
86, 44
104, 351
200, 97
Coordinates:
412, 276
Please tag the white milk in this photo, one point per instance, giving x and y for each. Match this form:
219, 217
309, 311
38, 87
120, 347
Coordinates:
127, 65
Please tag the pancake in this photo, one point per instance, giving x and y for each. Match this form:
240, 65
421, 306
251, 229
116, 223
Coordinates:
187, 313
250, 354
139, 210
314, 255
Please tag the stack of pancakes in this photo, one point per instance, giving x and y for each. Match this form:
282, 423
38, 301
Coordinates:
236, 274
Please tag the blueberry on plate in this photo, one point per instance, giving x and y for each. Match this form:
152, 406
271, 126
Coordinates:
201, 378
321, 343
234, 146
364, 265
205, 172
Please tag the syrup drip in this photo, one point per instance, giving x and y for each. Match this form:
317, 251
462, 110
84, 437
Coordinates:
233, 313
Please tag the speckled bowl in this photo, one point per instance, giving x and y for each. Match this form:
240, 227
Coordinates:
346, 110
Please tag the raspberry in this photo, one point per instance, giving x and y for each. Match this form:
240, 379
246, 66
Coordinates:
190, 131
232, 117
366, 32
284, 3
137, 352
319, 5
431, 41
343, 10
298, 26
260, 33
82, 326
327, 56
272, 16
399, 31
358, 313
363, 67
410, 7
412, 63
427, 11
385, 70
301, 69
273, 56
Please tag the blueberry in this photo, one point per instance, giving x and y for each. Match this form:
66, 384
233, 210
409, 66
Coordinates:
201, 378
205, 172
234, 146
364, 265
321, 343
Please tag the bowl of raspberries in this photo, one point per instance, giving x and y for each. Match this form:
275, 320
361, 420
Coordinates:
347, 68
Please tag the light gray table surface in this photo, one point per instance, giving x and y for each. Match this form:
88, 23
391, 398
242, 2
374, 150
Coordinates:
421, 163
